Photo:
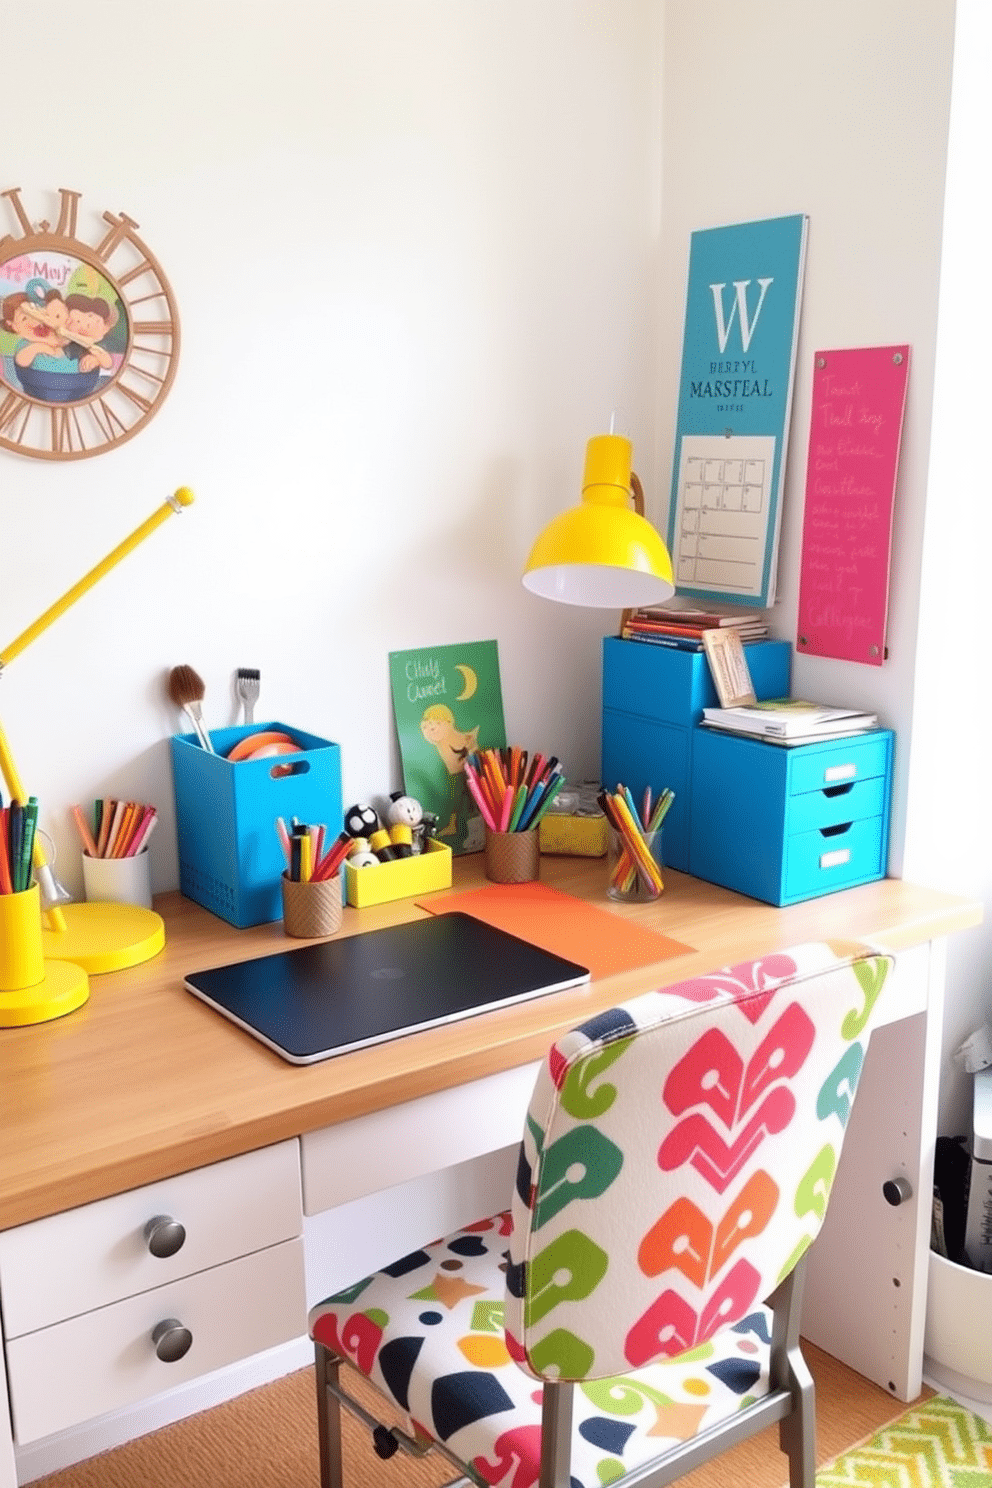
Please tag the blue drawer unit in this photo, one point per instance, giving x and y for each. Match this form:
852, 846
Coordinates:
652, 698
789, 823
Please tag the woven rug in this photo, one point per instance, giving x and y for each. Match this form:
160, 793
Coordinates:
267, 1438
936, 1444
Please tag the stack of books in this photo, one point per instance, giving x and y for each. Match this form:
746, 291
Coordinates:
789, 721
659, 625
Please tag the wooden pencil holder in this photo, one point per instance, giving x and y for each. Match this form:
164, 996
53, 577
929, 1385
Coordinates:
512, 857
312, 910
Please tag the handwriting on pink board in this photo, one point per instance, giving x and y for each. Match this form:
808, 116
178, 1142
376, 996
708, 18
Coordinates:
855, 431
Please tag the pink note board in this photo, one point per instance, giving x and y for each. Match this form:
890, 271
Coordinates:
855, 432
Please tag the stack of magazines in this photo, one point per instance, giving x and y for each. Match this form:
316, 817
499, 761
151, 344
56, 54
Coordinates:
789, 721
659, 625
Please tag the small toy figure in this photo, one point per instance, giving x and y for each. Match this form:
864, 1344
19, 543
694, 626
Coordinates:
401, 839
425, 831
382, 847
404, 809
361, 820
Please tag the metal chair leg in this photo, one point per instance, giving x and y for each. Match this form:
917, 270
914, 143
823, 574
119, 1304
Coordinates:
797, 1432
789, 1371
327, 1367
556, 1435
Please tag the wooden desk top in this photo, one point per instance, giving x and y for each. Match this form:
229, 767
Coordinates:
145, 1081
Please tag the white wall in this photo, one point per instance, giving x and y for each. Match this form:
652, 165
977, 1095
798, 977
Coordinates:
839, 111
409, 243
950, 822
842, 111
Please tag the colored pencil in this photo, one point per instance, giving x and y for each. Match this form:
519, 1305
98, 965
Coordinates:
6, 883
616, 808
478, 796
85, 835
511, 787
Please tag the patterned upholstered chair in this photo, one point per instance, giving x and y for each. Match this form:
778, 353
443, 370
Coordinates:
636, 1309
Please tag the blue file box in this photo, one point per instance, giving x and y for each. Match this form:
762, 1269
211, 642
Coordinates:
785, 823
653, 696
230, 857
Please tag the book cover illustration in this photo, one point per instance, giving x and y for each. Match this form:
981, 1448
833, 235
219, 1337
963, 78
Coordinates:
448, 703
728, 667
735, 397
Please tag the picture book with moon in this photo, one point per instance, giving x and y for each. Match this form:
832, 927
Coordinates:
448, 704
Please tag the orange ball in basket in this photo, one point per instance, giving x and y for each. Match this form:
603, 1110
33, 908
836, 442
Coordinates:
271, 751
248, 747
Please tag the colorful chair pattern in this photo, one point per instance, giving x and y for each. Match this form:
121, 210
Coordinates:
636, 1310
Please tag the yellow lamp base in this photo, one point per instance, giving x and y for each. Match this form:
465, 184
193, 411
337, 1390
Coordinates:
105, 937
62, 989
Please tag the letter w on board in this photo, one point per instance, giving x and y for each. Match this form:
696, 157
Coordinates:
738, 308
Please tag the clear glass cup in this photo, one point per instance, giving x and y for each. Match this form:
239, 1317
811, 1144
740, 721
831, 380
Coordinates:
634, 877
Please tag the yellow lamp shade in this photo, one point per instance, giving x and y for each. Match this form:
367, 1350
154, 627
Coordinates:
602, 553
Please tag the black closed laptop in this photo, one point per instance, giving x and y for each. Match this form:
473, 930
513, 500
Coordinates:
337, 995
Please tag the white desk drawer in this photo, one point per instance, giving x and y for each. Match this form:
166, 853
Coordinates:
54, 1268
374, 1152
106, 1359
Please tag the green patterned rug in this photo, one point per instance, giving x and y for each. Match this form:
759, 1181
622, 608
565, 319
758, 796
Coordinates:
937, 1444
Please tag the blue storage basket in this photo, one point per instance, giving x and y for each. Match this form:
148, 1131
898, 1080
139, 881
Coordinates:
230, 857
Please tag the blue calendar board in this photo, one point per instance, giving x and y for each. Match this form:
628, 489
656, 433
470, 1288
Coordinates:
743, 301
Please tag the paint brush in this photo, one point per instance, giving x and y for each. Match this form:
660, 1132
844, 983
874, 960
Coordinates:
187, 690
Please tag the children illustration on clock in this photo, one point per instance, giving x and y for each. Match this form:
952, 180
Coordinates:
59, 349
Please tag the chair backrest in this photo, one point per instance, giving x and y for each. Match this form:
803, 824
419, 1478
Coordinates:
677, 1158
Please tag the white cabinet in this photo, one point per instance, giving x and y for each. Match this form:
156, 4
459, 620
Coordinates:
865, 1295
85, 1296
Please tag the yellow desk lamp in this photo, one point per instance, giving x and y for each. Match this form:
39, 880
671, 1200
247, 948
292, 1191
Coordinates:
88, 937
602, 553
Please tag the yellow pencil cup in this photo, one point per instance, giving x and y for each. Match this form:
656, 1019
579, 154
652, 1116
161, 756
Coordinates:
21, 960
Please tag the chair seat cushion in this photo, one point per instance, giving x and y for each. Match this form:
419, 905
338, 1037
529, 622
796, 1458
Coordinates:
427, 1331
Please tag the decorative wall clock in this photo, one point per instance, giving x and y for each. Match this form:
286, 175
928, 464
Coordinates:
89, 334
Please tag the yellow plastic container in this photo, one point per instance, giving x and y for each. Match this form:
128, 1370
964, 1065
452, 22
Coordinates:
399, 879
21, 960
31, 989
575, 836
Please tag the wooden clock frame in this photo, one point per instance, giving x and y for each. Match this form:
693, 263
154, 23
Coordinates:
111, 384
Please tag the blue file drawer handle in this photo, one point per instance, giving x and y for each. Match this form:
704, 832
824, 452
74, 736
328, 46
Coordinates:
859, 758
835, 805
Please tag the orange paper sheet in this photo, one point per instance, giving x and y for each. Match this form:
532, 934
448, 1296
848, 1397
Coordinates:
562, 924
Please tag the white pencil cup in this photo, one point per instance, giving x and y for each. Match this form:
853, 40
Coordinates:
118, 880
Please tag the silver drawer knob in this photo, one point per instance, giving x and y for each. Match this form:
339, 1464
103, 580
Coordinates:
896, 1191
171, 1340
164, 1235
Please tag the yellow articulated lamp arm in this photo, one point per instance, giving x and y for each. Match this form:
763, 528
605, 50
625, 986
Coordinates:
175, 503
181, 498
